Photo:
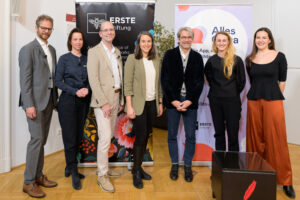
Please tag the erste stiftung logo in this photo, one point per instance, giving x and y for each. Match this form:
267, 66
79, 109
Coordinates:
94, 20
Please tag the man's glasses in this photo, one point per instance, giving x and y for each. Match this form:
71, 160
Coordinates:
45, 28
186, 38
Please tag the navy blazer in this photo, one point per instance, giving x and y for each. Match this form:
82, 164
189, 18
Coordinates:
173, 76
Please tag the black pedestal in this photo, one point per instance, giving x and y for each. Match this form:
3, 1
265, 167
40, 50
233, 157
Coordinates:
242, 176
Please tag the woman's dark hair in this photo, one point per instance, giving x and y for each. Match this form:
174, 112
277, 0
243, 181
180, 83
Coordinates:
138, 52
75, 30
254, 47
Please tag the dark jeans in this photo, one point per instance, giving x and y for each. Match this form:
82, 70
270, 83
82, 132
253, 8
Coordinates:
142, 127
72, 112
189, 121
226, 112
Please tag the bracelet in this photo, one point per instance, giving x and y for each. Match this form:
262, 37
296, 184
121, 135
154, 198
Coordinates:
159, 102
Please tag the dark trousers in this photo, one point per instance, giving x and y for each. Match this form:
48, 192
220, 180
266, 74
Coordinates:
189, 120
72, 112
39, 130
142, 127
226, 113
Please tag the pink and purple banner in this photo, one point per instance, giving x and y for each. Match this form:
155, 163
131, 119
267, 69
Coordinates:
206, 21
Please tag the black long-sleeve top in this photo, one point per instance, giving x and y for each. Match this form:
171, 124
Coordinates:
264, 79
220, 86
71, 73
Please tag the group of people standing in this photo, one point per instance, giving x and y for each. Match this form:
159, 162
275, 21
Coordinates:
147, 83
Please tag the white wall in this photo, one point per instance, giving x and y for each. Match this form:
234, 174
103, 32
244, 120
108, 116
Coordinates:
287, 31
5, 162
22, 33
274, 14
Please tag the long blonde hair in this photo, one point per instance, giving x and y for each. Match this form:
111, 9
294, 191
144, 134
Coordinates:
229, 55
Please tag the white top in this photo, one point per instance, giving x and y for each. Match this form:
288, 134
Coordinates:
114, 63
46, 50
150, 74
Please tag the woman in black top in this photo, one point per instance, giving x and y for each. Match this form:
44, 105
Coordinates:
71, 78
225, 74
266, 132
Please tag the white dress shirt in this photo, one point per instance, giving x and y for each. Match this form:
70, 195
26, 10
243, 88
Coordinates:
46, 50
114, 63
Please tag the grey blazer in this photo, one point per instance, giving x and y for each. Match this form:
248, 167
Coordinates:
35, 77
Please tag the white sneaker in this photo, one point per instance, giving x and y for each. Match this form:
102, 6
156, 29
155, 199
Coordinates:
105, 184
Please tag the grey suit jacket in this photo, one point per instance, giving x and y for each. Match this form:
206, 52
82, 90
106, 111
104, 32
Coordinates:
35, 77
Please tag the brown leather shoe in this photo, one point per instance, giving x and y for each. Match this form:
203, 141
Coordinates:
33, 190
43, 181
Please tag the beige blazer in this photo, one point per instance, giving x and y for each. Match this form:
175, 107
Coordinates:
135, 83
101, 76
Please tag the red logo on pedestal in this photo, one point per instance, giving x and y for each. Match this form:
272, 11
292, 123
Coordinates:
250, 190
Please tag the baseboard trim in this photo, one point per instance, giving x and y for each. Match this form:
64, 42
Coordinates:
49, 155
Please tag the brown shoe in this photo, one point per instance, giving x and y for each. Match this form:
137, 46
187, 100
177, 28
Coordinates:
43, 181
33, 190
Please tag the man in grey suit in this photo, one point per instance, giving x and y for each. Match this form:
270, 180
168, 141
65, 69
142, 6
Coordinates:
37, 61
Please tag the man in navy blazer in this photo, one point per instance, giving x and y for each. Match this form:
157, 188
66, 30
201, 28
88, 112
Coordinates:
37, 61
182, 80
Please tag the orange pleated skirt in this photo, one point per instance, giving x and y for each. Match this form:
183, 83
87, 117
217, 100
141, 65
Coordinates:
266, 135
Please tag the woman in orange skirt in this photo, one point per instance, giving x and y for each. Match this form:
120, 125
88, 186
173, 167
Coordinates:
266, 132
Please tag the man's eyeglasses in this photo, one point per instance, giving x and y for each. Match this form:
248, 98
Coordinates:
45, 28
186, 38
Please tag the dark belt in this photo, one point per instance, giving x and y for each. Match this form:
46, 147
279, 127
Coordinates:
117, 90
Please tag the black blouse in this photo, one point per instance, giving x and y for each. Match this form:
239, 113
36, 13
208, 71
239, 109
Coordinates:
220, 86
264, 79
71, 73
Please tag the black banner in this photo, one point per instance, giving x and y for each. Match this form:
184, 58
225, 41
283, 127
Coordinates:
129, 20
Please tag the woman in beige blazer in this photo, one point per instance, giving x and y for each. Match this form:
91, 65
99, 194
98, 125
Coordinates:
143, 93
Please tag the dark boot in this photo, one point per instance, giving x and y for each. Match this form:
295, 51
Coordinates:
75, 179
138, 155
68, 173
289, 191
145, 175
188, 173
174, 172
137, 179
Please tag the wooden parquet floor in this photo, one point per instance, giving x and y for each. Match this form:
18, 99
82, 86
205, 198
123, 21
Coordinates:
159, 188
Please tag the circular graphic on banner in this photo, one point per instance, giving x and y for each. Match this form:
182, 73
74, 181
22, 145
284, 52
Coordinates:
208, 22
183, 7
198, 35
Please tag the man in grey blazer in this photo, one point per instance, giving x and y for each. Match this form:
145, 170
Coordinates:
105, 77
37, 61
